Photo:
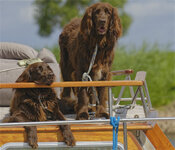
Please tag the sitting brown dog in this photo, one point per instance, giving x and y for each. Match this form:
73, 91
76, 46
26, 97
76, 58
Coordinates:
37, 104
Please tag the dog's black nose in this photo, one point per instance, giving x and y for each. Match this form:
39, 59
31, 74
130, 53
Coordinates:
50, 76
102, 21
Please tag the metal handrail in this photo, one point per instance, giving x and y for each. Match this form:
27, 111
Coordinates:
128, 99
107, 121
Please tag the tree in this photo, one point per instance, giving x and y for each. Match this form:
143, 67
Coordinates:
56, 13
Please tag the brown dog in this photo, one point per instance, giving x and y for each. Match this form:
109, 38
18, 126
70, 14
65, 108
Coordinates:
37, 104
100, 26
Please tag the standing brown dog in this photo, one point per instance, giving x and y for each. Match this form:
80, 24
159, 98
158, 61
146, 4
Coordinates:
100, 26
37, 104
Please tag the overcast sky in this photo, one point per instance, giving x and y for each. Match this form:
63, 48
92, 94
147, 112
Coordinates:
153, 21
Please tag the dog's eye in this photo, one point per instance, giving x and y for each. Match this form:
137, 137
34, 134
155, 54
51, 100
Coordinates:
97, 11
107, 11
40, 68
49, 68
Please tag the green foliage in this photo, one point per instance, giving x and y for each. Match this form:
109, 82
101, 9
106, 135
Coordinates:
160, 68
159, 65
56, 13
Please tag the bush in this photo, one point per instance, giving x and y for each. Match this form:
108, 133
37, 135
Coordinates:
159, 65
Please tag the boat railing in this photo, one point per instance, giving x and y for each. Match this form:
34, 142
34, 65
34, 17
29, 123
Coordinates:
99, 121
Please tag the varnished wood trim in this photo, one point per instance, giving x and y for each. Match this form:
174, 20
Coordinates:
122, 72
74, 84
158, 139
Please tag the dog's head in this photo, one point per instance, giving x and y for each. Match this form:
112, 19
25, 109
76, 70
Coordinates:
102, 18
39, 72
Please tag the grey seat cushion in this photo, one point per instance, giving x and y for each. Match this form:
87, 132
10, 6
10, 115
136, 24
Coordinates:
4, 112
46, 56
16, 51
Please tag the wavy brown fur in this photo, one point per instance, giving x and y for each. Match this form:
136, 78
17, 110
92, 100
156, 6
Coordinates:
25, 105
100, 25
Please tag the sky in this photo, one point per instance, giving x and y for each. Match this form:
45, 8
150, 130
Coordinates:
153, 22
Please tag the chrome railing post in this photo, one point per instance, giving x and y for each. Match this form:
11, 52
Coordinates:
125, 135
110, 101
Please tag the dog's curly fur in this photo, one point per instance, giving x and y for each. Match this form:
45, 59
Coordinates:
99, 26
25, 105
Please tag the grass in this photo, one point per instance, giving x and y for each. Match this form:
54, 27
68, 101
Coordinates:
159, 63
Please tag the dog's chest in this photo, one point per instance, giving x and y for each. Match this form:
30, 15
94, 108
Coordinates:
46, 109
97, 74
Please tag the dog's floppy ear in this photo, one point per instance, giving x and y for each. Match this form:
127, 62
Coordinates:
86, 23
24, 77
115, 25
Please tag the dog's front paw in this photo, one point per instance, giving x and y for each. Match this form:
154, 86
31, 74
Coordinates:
33, 144
82, 116
102, 112
67, 135
32, 138
70, 141
82, 113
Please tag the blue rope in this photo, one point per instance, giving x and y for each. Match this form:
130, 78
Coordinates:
115, 124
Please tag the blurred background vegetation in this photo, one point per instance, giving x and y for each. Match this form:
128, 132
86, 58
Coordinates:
159, 63
53, 13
